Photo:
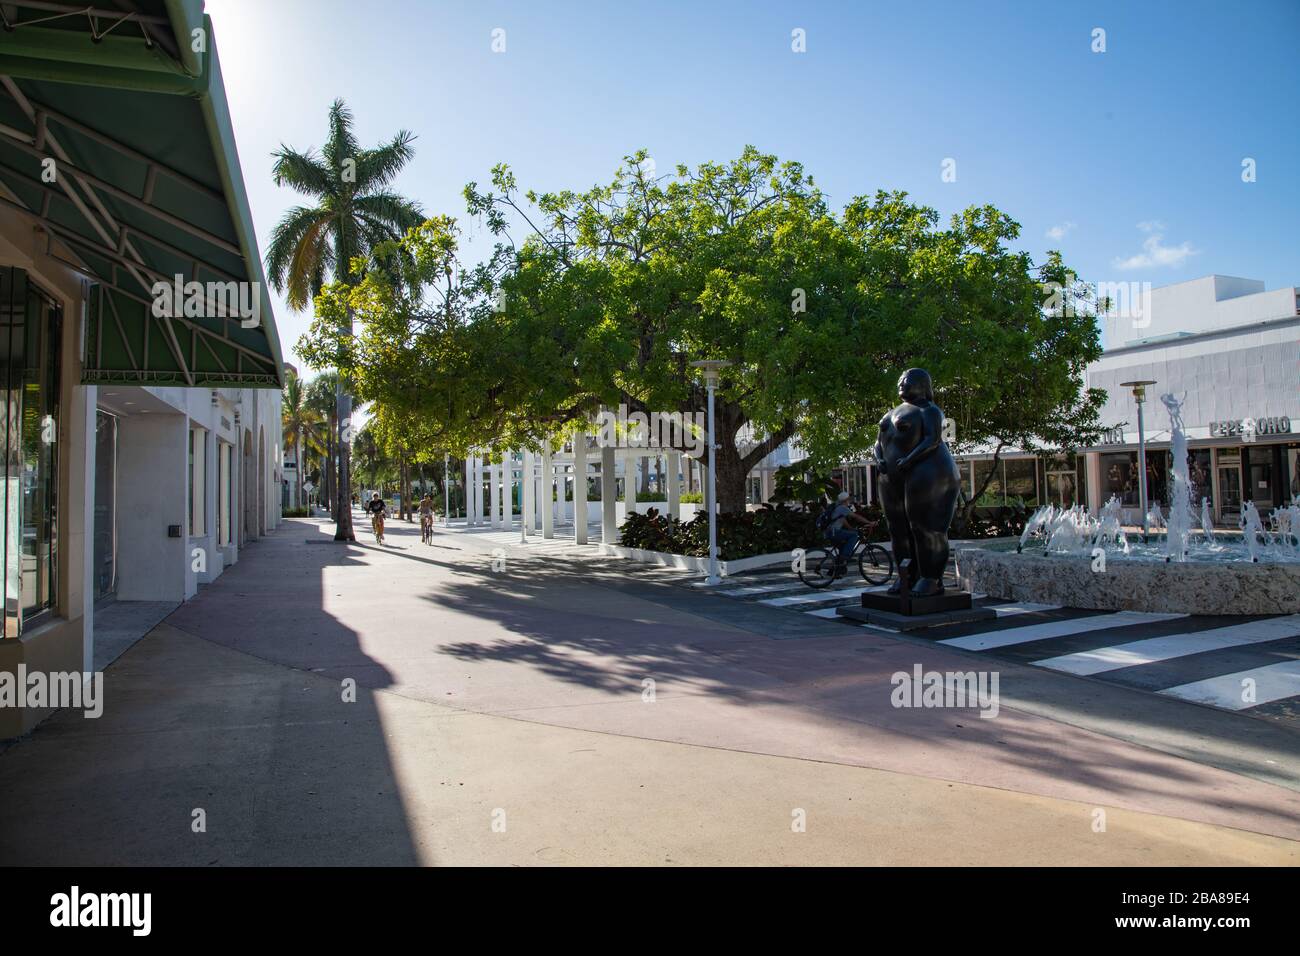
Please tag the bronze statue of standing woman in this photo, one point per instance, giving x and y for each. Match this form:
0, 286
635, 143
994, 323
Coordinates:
919, 481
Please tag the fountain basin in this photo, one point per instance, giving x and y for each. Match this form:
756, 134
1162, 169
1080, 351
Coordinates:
1191, 587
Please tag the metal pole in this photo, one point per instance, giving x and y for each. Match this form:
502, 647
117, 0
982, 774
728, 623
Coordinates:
711, 501
1142, 472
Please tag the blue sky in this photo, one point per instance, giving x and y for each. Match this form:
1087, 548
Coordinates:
1128, 161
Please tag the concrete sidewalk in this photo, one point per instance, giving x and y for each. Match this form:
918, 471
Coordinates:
519, 699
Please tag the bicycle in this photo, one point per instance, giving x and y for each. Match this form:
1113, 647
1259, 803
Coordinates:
822, 567
377, 526
426, 529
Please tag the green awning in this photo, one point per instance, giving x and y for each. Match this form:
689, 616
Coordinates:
115, 139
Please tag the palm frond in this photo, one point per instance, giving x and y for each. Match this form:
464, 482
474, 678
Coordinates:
377, 167
303, 172
342, 144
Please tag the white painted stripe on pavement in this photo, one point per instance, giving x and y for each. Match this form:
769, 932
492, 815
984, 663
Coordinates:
1023, 607
1051, 629
795, 585
817, 597
1272, 682
1173, 645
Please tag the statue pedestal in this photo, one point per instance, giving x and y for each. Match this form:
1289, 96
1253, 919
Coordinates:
913, 606
905, 613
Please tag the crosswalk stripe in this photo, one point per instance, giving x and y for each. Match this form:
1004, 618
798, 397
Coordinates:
1173, 645
1051, 629
1023, 607
820, 597
1272, 682
766, 588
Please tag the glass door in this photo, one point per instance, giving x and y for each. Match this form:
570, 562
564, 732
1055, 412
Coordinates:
1229, 492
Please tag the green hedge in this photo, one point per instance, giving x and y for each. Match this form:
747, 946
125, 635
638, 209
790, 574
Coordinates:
769, 530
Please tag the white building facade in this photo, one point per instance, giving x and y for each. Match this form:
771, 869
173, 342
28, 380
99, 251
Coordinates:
1230, 350
142, 442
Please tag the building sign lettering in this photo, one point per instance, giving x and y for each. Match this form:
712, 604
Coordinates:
1278, 425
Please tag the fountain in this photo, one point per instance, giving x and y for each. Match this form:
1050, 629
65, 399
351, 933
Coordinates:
1179, 526
1056, 560
1252, 529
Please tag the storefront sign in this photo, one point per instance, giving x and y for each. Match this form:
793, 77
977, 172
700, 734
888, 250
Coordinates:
1113, 436
1246, 427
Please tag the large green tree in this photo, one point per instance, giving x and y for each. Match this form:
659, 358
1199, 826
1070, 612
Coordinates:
615, 291
609, 295
351, 211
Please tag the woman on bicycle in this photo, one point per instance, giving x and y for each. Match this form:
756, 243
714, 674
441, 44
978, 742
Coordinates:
375, 508
426, 517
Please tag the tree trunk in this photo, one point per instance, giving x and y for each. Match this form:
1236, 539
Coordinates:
405, 490
343, 499
731, 478
298, 464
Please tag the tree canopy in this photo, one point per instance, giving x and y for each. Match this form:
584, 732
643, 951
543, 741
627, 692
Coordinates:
609, 295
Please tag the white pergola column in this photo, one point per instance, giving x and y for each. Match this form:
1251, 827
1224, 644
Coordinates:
469, 484
472, 492
674, 488
507, 489
629, 483
494, 494
527, 493
608, 490
479, 517
580, 488
548, 485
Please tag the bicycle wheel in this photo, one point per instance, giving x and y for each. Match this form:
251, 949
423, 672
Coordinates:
875, 564
819, 570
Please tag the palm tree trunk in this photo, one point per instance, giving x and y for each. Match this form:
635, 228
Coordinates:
343, 512
298, 463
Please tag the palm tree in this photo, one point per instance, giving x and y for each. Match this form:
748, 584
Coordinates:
297, 417
352, 212
322, 400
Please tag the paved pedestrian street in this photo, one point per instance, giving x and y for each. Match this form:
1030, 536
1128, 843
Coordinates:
572, 708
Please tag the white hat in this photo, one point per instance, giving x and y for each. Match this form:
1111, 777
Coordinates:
842, 496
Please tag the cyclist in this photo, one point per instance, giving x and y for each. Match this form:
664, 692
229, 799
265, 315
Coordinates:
376, 509
835, 522
426, 517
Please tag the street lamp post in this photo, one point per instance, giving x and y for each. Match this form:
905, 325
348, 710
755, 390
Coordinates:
446, 490
1139, 395
710, 368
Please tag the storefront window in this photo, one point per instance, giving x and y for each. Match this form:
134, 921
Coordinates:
30, 334
198, 483
1198, 474
1021, 482
1063, 482
992, 496
1119, 478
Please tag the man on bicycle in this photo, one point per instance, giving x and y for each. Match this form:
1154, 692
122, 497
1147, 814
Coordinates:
376, 509
838, 521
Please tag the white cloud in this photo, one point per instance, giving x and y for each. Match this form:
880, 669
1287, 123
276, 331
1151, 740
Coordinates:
1155, 254
1058, 232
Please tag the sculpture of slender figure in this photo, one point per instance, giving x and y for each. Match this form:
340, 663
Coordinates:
919, 481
